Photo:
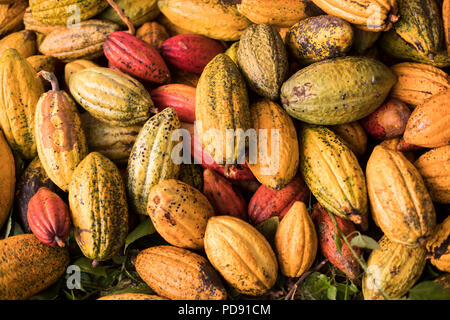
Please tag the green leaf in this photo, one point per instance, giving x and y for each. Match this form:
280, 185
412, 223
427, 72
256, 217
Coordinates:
332, 293
86, 266
315, 287
144, 229
337, 239
268, 228
428, 290
366, 242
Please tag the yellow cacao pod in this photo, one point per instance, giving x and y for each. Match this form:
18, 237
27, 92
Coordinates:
296, 241
137, 11
241, 254
23, 41
401, 205
75, 66
438, 246
35, 25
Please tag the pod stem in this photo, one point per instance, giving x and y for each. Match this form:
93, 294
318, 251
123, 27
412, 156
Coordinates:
49, 77
122, 16
60, 242
95, 263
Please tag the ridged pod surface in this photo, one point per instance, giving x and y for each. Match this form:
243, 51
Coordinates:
135, 57
11, 16
35, 25
400, 203
434, 167
153, 33
190, 52
179, 213
75, 66
150, 159
241, 254
369, 15
319, 38
394, 269
416, 82
20, 93
33, 178
82, 42
179, 274
277, 141
223, 196
280, 13
7, 179
29, 266
232, 51
438, 246
262, 58
60, 12
23, 41
221, 104
296, 241
113, 142
60, 139
180, 97
396, 144
137, 11
316, 94
353, 135
214, 19
420, 25
192, 174
364, 40
333, 174
342, 258
446, 23
428, 124
98, 207
41, 62
266, 203
111, 96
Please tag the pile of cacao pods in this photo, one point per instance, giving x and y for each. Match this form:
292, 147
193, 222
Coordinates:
100, 98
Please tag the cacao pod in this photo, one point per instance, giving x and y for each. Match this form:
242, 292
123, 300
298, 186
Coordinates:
7, 179
281, 160
150, 159
177, 274
23, 41
131, 296
241, 254
232, 51
393, 270
48, 218
18, 99
60, 139
397, 144
179, 213
42, 63
111, 96
11, 16
316, 94
35, 25
137, 11
266, 203
191, 174
353, 135
333, 174
434, 167
225, 199
438, 246
262, 58
172, 29
98, 207
296, 241
400, 203
428, 124
446, 23
180, 97
364, 40
153, 33
75, 66
29, 266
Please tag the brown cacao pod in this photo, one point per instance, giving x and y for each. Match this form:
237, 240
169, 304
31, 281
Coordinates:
179, 274
401, 205
23, 41
179, 213
296, 241
343, 259
428, 125
266, 203
225, 199
438, 246
48, 218
241, 255
11, 16
434, 166
353, 135
153, 33
7, 179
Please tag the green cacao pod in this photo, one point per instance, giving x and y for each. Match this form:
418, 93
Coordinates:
111, 96
151, 160
262, 58
317, 94
98, 207
333, 174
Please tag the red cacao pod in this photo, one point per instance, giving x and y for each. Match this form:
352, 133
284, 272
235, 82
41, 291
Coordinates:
344, 261
135, 57
48, 217
225, 199
181, 97
388, 121
267, 202
237, 172
190, 52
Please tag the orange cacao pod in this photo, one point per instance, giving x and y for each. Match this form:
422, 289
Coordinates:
153, 33
181, 97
